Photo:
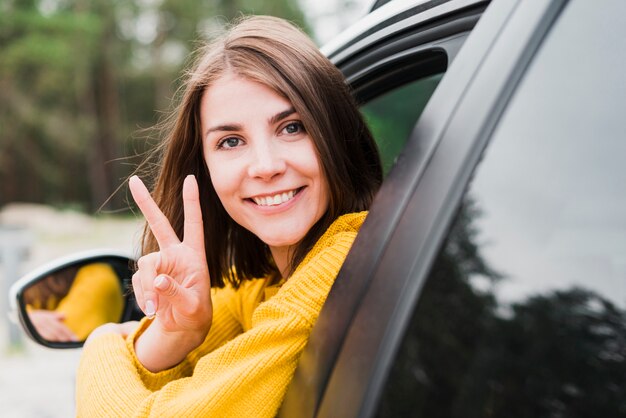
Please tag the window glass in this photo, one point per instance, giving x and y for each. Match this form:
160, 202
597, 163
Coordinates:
392, 116
524, 311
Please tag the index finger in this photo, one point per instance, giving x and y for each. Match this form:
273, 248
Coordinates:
193, 227
158, 222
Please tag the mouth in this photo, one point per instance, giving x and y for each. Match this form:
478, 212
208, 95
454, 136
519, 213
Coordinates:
275, 199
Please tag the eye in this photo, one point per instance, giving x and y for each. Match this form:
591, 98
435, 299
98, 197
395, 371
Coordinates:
229, 143
293, 128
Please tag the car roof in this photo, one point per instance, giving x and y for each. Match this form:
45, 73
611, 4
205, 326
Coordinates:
387, 20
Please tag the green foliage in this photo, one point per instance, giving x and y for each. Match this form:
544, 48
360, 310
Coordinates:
77, 81
391, 117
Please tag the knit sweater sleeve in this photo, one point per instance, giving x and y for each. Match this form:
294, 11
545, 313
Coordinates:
225, 327
247, 376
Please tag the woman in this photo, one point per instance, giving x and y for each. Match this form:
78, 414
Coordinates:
277, 168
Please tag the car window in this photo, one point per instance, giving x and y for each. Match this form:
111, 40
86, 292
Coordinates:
392, 116
524, 310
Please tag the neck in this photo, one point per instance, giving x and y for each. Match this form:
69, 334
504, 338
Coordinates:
281, 257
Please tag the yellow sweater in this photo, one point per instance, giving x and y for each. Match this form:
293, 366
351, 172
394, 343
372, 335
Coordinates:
245, 364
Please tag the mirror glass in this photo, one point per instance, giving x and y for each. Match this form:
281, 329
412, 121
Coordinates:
67, 304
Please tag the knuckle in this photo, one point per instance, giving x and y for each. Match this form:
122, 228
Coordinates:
141, 263
171, 291
147, 260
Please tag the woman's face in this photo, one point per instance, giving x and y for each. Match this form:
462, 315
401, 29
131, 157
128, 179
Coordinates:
262, 162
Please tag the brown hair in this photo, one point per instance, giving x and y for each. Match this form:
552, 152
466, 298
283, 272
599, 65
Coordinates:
48, 292
277, 54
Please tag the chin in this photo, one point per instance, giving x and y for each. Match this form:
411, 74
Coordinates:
281, 240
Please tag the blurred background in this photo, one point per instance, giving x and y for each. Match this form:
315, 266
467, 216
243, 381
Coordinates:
81, 81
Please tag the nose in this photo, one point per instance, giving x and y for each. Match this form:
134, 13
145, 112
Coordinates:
267, 161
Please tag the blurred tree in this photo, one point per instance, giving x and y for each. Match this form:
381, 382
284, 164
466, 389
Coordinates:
44, 70
180, 23
79, 77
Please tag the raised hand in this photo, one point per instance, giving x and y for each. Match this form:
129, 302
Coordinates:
172, 284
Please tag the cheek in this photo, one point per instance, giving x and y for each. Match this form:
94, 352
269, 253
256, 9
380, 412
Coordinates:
324, 196
223, 179
316, 171
307, 159
311, 166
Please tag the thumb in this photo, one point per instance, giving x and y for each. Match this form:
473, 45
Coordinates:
59, 315
169, 289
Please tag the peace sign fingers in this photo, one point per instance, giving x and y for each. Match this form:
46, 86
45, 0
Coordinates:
173, 284
159, 225
193, 228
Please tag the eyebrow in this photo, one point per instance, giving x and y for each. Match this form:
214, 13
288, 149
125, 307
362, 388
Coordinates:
281, 115
234, 127
225, 128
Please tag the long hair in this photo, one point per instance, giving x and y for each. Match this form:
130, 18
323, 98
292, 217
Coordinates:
277, 54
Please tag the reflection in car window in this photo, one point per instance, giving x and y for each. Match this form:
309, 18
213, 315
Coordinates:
524, 311
392, 116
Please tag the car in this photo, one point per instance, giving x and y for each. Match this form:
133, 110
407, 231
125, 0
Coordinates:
489, 278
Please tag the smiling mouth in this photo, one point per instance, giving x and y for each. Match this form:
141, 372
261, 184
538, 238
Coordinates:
277, 199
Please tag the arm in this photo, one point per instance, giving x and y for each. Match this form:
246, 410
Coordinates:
226, 326
244, 377
247, 376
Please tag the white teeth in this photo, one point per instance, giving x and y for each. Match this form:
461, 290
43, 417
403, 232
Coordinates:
274, 200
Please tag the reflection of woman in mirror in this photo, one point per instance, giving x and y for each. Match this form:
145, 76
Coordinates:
68, 305
265, 176
42, 299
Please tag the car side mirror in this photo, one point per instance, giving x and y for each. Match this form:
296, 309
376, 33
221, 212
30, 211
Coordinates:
59, 304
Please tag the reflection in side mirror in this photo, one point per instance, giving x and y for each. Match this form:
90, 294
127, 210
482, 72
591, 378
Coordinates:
60, 306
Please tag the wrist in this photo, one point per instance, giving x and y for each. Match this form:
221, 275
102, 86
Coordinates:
158, 349
186, 337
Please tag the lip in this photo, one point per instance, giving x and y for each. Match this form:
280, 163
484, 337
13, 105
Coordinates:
276, 208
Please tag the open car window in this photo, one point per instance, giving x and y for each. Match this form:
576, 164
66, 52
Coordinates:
392, 116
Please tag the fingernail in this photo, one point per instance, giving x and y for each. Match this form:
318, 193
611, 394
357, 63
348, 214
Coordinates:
160, 282
150, 311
